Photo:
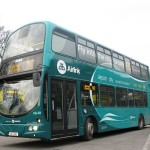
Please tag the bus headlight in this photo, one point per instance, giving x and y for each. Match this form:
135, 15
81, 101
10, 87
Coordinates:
30, 128
35, 128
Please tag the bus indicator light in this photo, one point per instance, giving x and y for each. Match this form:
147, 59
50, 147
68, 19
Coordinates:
38, 120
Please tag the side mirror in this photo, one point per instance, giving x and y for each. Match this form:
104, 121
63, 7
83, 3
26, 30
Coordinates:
36, 79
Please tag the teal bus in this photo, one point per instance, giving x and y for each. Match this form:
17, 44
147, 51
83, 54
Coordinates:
57, 84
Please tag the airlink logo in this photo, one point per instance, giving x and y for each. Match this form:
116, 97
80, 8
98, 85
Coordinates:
63, 68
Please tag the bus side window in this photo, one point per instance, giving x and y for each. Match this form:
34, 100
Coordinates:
128, 65
89, 94
130, 98
145, 99
107, 95
121, 97
45, 97
138, 98
144, 71
86, 101
63, 43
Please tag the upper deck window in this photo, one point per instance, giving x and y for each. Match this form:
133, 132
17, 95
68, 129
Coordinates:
82, 41
136, 69
144, 71
63, 43
27, 39
118, 62
91, 45
101, 49
128, 65
86, 50
104, 57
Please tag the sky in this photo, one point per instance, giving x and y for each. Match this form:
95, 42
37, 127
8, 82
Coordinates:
122, 25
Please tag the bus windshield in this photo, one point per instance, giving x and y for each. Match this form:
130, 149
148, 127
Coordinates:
18, 97
27, 39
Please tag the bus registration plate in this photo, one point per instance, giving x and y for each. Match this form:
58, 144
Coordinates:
13, 134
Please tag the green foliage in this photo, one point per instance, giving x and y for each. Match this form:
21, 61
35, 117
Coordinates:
3, 38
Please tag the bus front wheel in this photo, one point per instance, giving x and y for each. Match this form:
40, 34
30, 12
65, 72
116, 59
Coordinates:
141, 122
88, 129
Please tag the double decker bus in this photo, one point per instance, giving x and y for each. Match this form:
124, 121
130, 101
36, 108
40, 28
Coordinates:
57, 84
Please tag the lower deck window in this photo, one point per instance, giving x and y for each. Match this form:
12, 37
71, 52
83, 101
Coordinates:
89, 94
121, 97
107, 95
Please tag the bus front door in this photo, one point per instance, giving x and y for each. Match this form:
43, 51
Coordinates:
64, 108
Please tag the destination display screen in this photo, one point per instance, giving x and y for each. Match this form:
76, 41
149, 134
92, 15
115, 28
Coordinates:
88, 87
20, 65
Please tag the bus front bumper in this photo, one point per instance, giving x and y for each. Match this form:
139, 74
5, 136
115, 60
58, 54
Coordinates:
40, 131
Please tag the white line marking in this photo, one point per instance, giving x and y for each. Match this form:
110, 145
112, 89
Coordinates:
147, 143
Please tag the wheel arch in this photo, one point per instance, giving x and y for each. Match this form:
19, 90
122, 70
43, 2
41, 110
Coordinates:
95, 122
141, 115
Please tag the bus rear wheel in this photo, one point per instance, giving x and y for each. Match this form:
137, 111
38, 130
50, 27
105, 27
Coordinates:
141, 122
88, 129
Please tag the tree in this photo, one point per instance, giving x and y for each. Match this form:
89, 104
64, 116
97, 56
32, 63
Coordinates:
3, 40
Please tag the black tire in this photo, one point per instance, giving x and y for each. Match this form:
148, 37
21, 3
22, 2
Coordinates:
88, 129
141, 122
